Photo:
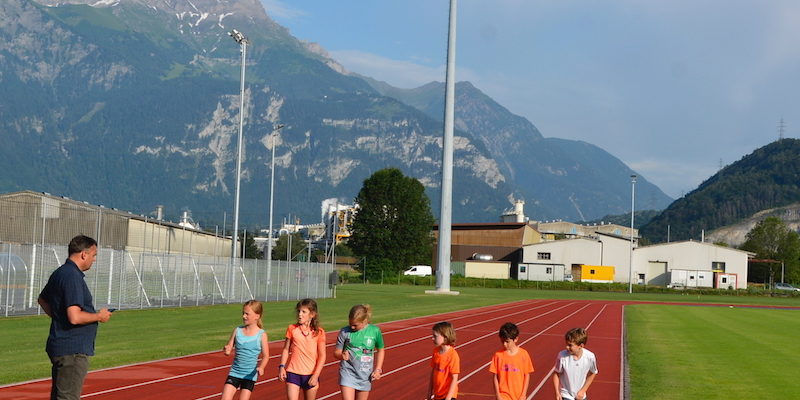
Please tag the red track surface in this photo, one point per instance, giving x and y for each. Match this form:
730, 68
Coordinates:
542, 325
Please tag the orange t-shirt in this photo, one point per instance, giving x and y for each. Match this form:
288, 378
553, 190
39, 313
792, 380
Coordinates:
511, 372
303, 349
444, 366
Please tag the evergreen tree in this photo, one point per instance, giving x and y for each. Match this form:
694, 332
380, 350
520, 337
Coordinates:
394, 221
250, 249
299, 248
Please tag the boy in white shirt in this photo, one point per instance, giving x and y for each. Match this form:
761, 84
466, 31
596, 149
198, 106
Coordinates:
575, 367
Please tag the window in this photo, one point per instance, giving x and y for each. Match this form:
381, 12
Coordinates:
724, 279
522, 268
543, 256
718, 266
591, 272
549, 270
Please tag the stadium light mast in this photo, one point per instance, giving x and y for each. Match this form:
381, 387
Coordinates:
630, 253
445, 214
242, 41
275, 130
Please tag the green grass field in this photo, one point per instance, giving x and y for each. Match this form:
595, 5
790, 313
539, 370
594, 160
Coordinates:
675, 352
679, 352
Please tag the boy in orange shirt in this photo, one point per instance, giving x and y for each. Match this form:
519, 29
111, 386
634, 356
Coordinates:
511, 366
445, 363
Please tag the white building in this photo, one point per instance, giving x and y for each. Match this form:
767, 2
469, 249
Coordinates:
554, 259
652, 264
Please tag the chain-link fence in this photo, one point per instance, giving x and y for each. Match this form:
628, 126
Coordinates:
125, 280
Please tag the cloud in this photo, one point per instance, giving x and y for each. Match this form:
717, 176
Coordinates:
278, 9
403, 74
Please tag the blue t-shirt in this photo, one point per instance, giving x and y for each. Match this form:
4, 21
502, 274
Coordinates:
65, 288
247, 350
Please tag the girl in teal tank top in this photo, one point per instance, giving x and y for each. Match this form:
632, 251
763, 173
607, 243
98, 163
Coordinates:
248, 340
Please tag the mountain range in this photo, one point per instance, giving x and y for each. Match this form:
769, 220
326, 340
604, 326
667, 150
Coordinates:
135, 103
764, 182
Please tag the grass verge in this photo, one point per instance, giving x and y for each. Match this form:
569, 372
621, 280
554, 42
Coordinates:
712, 352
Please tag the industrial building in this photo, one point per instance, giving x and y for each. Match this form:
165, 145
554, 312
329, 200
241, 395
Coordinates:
701, 264
497, 247
557, 259
41, 218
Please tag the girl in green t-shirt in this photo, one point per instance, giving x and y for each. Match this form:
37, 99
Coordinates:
360, 347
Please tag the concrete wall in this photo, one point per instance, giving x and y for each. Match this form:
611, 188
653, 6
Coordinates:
564, 252
152, 237
487, 269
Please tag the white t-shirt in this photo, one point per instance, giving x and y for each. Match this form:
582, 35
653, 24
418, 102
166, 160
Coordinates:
572, 373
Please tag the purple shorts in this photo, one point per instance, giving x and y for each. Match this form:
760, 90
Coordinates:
299, 380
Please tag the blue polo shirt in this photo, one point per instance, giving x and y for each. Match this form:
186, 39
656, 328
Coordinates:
67, 287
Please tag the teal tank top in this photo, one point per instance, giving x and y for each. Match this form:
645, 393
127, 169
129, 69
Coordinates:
247, 350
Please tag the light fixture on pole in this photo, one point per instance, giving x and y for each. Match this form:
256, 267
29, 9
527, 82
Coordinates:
275, 130
242, 41
630, 253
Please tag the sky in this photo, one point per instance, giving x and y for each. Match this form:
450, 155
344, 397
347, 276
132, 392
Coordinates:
673, 88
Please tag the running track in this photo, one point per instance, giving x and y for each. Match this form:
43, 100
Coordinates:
542, 325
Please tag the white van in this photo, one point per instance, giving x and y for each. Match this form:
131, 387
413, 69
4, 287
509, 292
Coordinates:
418, 270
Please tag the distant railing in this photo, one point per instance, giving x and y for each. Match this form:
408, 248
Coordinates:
127, 280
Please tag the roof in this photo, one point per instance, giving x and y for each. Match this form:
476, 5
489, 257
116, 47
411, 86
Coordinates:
485, 226
86, 205
694, 242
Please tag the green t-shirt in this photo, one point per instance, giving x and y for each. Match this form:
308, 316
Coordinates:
361, 344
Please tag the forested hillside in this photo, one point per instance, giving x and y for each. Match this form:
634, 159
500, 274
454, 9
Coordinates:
767, 178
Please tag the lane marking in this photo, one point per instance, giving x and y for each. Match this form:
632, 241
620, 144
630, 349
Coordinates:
549, 374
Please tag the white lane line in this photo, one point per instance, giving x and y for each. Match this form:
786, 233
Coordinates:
227, 365
471, 341
553, 368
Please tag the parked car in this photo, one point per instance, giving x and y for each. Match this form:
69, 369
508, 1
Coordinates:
676, 286
786, 286
418, 270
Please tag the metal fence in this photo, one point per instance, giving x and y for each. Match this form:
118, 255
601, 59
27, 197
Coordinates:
127, 280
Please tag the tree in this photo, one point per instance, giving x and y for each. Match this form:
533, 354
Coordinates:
298, 247
772, 239
393, 222
250, 248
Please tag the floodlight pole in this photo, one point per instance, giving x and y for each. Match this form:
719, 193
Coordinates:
630, 253
445, 214
242, 41
275, 130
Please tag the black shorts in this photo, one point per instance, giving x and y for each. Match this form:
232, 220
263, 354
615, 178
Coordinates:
240, 383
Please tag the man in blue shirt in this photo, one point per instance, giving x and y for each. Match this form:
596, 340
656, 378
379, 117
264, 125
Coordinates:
73, 320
